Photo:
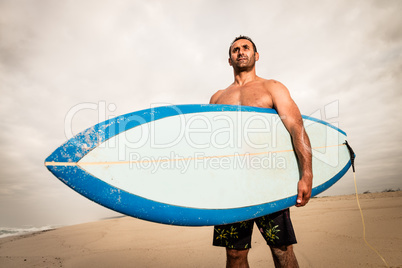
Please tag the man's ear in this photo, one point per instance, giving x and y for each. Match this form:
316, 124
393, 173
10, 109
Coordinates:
230, 61
256, 56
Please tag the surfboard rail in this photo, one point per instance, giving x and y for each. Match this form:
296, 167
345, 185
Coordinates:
69, 163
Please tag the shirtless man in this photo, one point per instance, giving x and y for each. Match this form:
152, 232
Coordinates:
250, 90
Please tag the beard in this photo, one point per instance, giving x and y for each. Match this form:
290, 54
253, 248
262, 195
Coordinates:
244, 65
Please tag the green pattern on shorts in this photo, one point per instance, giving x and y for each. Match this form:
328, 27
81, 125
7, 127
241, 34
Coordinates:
269, 231
221, 236
227, 235
276, 228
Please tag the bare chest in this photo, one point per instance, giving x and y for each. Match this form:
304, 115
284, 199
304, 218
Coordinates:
247, 96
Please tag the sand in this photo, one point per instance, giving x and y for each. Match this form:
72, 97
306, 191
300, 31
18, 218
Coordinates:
328, 229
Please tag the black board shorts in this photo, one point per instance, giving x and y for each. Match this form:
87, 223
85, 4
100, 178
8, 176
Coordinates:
276, 228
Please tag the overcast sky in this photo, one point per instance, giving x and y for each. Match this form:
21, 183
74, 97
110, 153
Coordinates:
129, 55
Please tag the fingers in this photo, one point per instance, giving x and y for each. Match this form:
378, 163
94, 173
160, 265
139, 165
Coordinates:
299, 200
302, 199
303, 193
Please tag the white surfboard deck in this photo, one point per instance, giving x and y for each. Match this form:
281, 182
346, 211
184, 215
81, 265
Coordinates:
197, 165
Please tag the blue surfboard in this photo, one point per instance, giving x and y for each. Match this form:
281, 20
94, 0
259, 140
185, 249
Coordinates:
196, 165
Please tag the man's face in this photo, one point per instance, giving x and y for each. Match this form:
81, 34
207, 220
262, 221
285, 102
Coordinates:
242, 55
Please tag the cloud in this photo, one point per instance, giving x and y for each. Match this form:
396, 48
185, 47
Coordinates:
55, 55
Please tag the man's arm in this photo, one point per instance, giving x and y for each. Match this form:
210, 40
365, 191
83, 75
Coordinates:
291, 118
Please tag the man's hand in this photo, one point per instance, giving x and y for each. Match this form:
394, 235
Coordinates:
304, 192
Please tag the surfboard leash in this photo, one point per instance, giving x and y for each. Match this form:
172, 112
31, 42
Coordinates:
352, 160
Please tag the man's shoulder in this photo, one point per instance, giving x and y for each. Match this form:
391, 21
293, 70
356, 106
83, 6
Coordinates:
273, 85
270, 82
215, 96
220, 91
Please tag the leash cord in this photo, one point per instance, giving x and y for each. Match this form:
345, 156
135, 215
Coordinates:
352, 160
364, 226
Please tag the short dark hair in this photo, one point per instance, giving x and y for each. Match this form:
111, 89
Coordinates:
239, 38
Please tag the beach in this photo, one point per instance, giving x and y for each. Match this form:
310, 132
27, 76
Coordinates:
329, 231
